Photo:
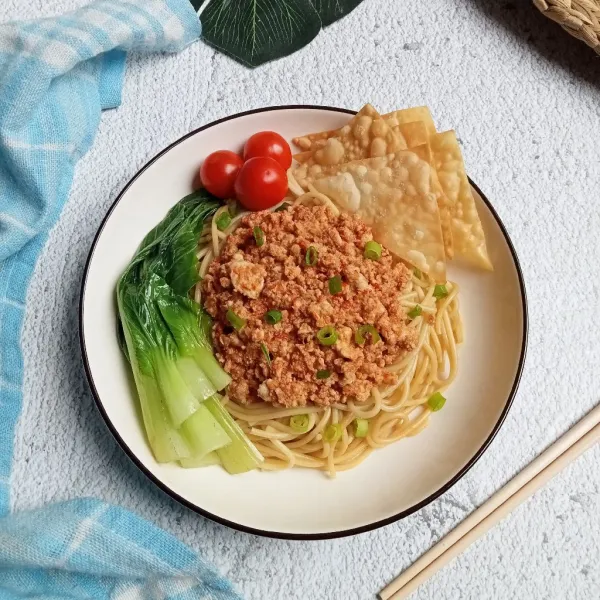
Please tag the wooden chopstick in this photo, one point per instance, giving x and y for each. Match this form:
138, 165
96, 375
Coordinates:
566, 449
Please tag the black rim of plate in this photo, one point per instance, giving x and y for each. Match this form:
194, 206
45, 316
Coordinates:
276, 534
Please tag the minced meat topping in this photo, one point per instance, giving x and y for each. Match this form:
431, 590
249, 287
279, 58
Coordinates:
252, 280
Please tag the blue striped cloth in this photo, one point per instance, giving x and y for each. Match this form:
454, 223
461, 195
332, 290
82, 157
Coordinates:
91, 550
56, 76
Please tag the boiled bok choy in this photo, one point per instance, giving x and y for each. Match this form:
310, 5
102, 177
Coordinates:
166, 337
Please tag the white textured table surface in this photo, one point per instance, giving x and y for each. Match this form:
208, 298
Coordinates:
524, 99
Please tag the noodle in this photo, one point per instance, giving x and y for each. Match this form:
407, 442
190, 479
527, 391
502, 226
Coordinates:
394, 412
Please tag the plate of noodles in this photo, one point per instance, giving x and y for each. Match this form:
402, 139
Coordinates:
304, 322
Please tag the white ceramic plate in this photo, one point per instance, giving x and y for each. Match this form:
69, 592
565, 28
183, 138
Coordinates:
304, 504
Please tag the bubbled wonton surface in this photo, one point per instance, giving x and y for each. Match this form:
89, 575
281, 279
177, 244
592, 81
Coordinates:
406, 180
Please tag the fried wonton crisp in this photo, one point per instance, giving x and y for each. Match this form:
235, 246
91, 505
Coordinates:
393, 195
365, 136
467, 232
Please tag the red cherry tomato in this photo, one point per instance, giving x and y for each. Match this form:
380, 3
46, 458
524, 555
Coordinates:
269, 143
219, 172
261, 183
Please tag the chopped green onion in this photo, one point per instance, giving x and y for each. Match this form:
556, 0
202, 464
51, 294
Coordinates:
417, 273
312, 256
361, 428
323, 374
283, 206
335, 285
372, 250
265, 352
259, 236
273, 316
327, 336
366, 330
415, 312
223, 221
299, 423
236, 321
332, 433
440, 291
436, 402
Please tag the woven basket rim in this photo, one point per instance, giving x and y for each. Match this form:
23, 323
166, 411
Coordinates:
580, 18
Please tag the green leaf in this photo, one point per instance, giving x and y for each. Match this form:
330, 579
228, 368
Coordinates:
176, 259
169, 250
196, 206
122, 340
143, 322
332, 10
165, 264
166, 337
257, 31
181, 315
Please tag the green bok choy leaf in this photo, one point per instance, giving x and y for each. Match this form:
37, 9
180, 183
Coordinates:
166, 338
